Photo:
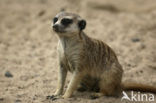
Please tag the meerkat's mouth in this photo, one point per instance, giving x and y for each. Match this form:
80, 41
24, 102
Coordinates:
59, 31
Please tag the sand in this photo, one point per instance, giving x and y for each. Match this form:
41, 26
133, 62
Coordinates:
28, 57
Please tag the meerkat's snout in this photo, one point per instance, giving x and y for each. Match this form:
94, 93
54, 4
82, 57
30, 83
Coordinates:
56, 25
62, 24
55, 28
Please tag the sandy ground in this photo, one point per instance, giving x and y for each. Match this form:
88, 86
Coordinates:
28, 44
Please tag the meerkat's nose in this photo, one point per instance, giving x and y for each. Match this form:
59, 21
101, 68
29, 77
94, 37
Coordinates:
55, 27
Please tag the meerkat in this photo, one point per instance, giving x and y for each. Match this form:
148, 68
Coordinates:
93, 64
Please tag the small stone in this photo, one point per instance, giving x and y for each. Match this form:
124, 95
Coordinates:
135, 39
8, 74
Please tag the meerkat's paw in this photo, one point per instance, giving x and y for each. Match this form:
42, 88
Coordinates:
53, 97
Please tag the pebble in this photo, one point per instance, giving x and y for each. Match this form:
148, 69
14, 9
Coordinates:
135, 39
8, 74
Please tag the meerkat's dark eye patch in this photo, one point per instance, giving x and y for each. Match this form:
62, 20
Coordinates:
66, 21
55, 20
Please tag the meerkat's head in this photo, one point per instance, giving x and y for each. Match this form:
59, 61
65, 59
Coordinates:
68, 24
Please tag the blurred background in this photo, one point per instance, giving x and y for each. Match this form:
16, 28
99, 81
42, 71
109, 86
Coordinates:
28, 57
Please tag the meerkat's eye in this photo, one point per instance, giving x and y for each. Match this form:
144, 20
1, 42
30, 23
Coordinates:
66, 21
55, 20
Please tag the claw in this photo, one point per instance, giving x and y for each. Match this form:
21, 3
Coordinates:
53, 97
49, 97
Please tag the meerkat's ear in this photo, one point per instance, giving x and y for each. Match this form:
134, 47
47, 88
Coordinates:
82, 24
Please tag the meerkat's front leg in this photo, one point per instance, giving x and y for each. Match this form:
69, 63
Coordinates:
74, 82
61, 80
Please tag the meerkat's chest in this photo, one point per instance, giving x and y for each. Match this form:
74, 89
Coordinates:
69, 55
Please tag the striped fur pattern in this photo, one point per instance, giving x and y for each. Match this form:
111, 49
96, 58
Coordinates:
93, 64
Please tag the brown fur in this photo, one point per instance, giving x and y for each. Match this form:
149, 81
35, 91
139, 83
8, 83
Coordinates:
93, 63
138, 87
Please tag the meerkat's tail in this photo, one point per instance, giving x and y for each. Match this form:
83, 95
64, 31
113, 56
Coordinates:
127, 86
138, 87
